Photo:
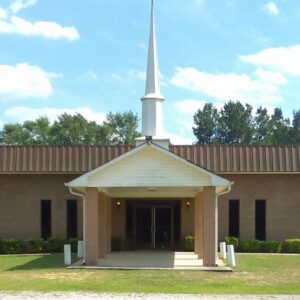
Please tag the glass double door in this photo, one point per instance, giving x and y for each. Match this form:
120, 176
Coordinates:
154, 227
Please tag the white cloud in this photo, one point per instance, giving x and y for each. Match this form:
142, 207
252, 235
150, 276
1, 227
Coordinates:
271, 8
18, 5
24, 80
284, 59
273, 77
23, 113
177, 139
3, 14
228, 86
189, 106
45, 29
186, 125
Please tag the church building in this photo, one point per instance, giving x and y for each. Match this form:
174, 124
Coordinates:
153, 194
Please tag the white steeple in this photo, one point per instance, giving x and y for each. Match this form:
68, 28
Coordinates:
152, 83
152, 102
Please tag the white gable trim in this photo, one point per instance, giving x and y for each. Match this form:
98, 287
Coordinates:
215, 180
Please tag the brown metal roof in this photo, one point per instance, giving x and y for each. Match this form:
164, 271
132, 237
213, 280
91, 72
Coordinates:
216, 158
242, 159
57, 159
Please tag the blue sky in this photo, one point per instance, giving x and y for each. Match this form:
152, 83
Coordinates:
90, 57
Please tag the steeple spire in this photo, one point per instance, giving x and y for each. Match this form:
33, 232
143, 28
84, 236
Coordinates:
152, 82
152, 102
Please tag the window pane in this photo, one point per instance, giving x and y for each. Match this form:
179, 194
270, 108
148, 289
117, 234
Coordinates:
45, 219
260, 220
71, 219
234, 218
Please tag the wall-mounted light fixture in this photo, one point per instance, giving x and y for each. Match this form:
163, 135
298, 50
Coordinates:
118, 204
188, 204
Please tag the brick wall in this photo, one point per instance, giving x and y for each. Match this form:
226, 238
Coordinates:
282, 193
20, 197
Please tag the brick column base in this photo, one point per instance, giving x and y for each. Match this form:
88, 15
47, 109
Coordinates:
210, 223
91, 226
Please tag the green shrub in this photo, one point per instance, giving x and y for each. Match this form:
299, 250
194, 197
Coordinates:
12, 246
251, 246
55, 245
1, 247
74, 244
189, 243
292, 246
116, 244
231, 240
35, 246
270, 246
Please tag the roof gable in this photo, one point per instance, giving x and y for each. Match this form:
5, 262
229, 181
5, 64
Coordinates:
149, 166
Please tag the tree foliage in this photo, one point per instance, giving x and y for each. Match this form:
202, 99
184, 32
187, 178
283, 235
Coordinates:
262, 127
119, 128
29, 133
296, 127
207, 124
236, 123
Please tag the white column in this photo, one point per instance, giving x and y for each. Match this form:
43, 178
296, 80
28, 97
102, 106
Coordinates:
231, 255
67, 255
223, 253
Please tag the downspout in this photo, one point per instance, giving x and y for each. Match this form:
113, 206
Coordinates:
81, 195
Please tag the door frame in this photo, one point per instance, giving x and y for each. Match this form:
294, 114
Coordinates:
153, 207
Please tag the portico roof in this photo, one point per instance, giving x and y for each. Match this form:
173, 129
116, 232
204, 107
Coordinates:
149, 170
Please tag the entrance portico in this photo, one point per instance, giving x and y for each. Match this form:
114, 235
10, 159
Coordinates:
147, 183
152, 180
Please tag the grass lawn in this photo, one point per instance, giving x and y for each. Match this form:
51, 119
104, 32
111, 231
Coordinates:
256, 274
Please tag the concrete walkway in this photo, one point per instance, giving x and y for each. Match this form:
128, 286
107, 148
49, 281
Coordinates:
154, 260
94, 296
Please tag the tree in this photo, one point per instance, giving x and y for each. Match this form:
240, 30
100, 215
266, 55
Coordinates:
280, 128
14, 134
29, 133
121, 128
206, 121
295, 136
39, 131
73, 130
236, 123
262, 121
